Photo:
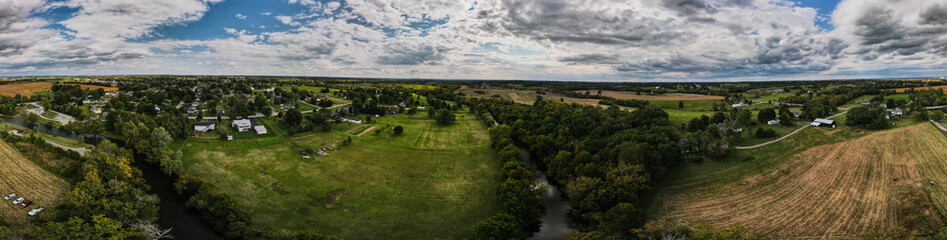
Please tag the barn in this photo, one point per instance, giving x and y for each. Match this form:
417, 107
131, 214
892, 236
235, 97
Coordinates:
819, 122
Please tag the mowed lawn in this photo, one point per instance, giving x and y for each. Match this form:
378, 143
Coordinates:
28, 180
820, 183
433, 181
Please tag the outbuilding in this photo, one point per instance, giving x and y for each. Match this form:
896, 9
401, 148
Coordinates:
820, 122
772, 122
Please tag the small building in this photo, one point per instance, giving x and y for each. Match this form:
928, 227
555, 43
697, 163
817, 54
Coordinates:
192, 110
420, 109
204, 126
221, 111
394, 109
321, 95
355, 121
772, 122
820, 122
242, 125
260, 129
96, 109
897, 112
289, 106
739, 105
229, 137
796, 115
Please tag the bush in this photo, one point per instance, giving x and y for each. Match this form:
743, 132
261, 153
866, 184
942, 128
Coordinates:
397, 130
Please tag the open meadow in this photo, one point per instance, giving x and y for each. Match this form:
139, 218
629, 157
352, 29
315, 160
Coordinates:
433, 181
29, 89
28, 180
820, 183
528, 96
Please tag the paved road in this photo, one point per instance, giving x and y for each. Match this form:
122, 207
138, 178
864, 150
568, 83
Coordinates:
937, 124
62, 118
81, 151
784, 137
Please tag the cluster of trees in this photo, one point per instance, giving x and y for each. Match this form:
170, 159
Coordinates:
871, 118
605, 158
625, 102
520, 207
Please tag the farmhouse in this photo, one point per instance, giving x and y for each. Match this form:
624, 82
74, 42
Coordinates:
819, 122
242, 125
204, 126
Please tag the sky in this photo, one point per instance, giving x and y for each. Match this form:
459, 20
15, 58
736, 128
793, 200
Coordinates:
575, 40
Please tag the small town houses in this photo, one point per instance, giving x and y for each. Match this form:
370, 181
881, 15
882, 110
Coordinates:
204, 126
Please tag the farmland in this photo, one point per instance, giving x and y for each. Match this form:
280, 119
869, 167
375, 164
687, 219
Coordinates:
29, 89
901, 90
378, 187
661, 97
527, 96
25, 178
817, 184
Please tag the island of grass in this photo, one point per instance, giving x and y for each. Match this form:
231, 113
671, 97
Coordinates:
432, 181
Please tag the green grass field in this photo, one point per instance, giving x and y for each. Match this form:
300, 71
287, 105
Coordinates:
433, 181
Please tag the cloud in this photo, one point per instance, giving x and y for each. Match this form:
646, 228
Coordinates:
285, 19
404, 53
241, 16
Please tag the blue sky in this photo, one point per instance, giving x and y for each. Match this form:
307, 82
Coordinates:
598, 40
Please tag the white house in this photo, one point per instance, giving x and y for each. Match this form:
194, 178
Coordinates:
260, 129
896, 112
242, 125
739, 105
204, 126
772, 122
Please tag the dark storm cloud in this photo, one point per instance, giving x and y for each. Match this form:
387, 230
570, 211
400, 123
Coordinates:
881, 33
878, 25
593, 58
689, 7
935, 14
401, 54
561, 21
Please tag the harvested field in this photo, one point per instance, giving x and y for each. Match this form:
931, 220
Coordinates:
528, 96
901, 90
837, 190
28, 89
628, 95
21, 176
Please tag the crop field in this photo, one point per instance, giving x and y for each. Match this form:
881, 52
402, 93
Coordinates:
21, 176
662, 97
528, 96
836, 190
901, 90
433, 181
28, 89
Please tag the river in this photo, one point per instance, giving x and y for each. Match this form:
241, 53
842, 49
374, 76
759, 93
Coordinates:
173, 211
555, 221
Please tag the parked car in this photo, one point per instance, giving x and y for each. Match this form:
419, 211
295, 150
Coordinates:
306, 157
36, 211
18, 200
25, 204
11, 196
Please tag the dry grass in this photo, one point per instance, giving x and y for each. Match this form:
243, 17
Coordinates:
28, 89
627, 95
26, 179
831, 191
901, 90
528, 96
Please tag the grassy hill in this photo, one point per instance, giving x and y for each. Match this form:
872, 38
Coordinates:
433, 181
818, 184
28, 180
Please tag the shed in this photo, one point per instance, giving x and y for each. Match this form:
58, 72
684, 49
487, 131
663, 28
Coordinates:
820, 122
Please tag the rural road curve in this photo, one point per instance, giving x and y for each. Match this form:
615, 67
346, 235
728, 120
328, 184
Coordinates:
81, 151
938, 125
784, 137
